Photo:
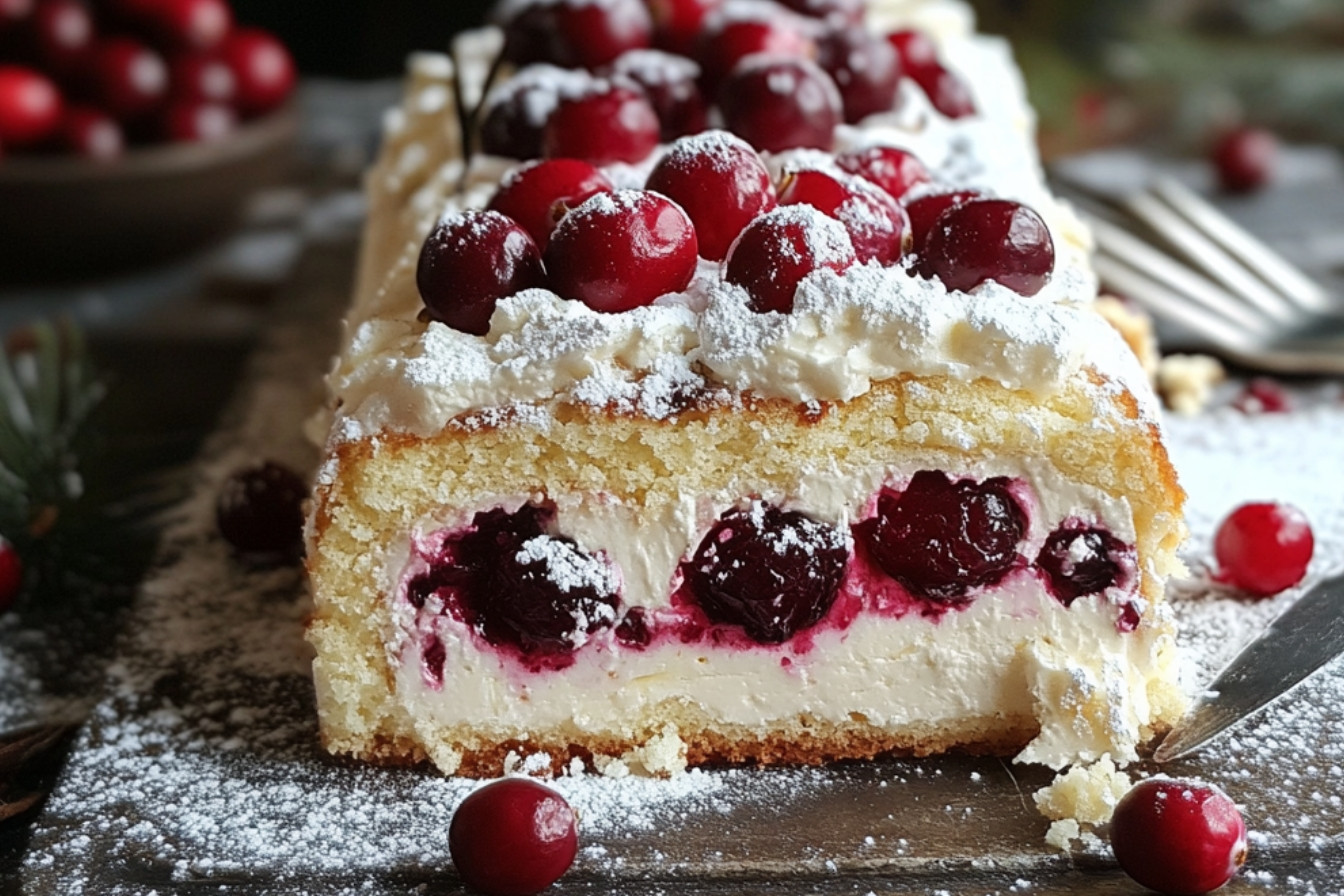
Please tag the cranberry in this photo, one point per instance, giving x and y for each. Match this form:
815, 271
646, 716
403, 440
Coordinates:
940, 538
1263, 395
194, 122
671, 85
780, 248
894, 170
615, 124
721, 183
469, 262
917, 49
91, 133
946, 91
201, 78
513, 837
990, 239
925, 211
519, 585
1178, 837
777, 104
677, 23
842, 12
577, 33
865, 68
263, 68
1263, 548
633, 629
1245, 159
260, 510
185, 24
11, 574
771, 572
62, 35
919, 58
1079, 560
619, 251
516, 113
30, 107
538, 193
130, 79
877, 225
730, 39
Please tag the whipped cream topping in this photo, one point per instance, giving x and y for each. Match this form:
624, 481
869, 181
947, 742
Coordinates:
846, 331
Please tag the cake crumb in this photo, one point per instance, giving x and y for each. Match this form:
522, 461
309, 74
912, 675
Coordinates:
662, 755
1082, 798
1186, 381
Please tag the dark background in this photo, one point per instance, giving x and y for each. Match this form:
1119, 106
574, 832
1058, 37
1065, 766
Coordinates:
361, 38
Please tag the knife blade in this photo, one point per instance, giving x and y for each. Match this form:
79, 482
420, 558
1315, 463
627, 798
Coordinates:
1300, 640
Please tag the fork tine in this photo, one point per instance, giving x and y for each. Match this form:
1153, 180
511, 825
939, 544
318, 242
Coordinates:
1290, 282
1172, 305
1151, 209
1156, 267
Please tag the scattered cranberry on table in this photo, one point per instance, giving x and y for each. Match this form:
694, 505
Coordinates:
1263, 395
1263, 548
11, 574
1178, 837
1245, 159
513, 837
259, 510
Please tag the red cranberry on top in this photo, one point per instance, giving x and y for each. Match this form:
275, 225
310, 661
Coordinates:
741, 29
925, 210
619, 251
612, 123
838, 12
990, 239
776, 103
721, 183
894, 170
576, 33
677, 23
876, 223
671, 85
469, 262
865, 68
948, 93
536, 195
781, 248
516, 111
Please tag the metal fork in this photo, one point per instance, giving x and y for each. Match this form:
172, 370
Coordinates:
1189, 264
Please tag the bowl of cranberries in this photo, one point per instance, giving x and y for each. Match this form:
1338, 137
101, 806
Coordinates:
132, 130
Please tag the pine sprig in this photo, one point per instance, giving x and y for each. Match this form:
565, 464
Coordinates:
48, 389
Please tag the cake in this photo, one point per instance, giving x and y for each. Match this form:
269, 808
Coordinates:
713, 477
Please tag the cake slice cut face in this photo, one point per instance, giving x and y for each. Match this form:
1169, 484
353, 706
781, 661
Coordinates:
843, 502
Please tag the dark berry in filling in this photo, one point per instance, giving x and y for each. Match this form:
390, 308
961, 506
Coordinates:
772, 572
633, 629
1080, 560
518, 585
940, 538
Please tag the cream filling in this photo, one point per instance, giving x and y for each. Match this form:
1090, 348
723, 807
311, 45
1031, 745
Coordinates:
1014, 653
